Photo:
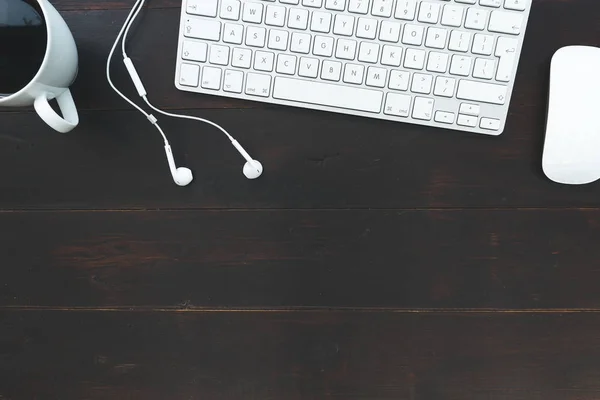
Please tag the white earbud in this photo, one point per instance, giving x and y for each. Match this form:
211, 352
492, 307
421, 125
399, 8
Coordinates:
253, 168
182, 176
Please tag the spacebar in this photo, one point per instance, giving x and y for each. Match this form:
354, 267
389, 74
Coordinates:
326, 94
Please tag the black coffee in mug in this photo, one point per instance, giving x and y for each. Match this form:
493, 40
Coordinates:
23, 41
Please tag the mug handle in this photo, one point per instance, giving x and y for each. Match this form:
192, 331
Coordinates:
70, 118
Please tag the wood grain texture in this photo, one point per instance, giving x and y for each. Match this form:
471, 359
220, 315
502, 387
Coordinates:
411, 260
373, 260
69, 5
117, 161
300, 355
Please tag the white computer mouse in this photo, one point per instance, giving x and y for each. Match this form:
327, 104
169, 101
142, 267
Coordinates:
572, 142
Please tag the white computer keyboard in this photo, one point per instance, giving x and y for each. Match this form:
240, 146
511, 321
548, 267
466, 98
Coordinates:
444, 63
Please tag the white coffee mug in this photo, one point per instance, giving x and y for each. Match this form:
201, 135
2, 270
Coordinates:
57, 72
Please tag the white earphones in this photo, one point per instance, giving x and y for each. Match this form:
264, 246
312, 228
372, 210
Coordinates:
182, 176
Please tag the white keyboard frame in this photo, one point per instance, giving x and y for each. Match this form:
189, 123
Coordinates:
487, 110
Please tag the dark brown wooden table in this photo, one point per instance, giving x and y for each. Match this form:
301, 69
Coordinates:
373, 260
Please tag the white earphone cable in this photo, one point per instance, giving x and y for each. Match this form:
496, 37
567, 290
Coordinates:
108, 62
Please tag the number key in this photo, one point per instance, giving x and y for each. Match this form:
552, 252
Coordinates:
336, 5
382, 8
406, 9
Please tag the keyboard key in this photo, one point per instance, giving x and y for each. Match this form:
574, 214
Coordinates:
461, 65
298, 18
323, 46
415, 59
382, 8
358, 6
258, 84
429, 12
484, 69
406, 9
202, 29
491, 3
505, 22
376, 77
482, 92
469, 109
483, 44
335, 5
194, 51
466, 120
436, 38
332, 70
366, 28
295, 2
421, 83
320, 22
345, 49
328, 94
506, 49
476, 19
230, 9
413, 34
309, 67
444, 117
490, 124
518, 5
369, 52
459, 41
344, 25
399, 80
390, 31
397, 104
437, 62
275, 15
233, 33
219, 55
452, 15
423, 108
189, 74
255, 36
277, 39
353, 73
286, 64
241, 58
233, 81
207, 8
391, 55
252, 12
263, 61
211, 78
444, 86
312, 3
300, 43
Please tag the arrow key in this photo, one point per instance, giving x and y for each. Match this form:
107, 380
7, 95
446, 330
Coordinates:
466, 120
